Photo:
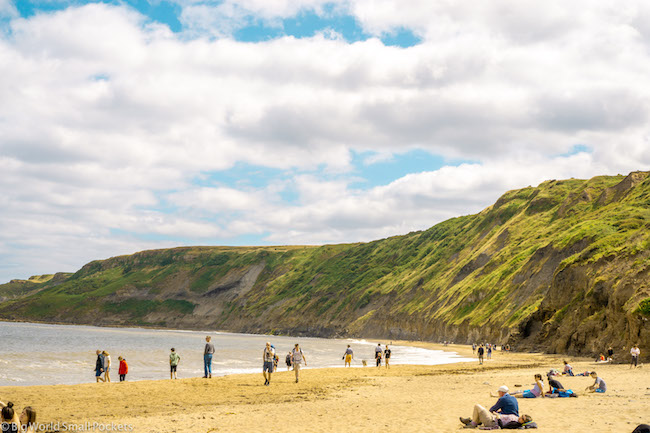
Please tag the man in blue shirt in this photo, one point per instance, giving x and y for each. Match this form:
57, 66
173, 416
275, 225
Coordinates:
505, 410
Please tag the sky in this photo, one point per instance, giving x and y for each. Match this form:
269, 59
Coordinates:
139, 124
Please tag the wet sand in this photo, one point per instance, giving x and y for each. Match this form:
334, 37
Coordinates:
402, 398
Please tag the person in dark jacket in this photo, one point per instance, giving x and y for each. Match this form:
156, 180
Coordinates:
504, 411
99, 366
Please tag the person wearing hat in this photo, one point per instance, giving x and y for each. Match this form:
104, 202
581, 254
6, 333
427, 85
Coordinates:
505, 410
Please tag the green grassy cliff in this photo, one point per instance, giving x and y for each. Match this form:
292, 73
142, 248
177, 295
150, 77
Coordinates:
561, 267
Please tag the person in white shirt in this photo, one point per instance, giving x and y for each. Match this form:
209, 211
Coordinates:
297, 358
635, 352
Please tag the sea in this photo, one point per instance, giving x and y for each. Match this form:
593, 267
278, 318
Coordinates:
42, 354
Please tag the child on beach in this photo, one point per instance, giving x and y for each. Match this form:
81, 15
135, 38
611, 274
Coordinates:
123, 368
174, 358
599, 384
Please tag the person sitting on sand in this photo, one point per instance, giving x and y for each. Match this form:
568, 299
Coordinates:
599, 385
568, 370
536, 391
504, 411
601, 358
348, 356
99, 366
9, 418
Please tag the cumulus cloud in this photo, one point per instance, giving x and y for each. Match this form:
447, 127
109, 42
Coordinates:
107, 119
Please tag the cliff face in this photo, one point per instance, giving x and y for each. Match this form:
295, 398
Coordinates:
562, 267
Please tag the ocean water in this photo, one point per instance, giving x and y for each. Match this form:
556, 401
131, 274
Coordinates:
39, 354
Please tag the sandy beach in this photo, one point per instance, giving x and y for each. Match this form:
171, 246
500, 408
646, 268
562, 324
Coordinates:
402, 398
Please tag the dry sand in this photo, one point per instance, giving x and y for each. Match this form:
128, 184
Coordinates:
399, 399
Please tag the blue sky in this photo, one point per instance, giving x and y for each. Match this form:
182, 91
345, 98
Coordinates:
133, 125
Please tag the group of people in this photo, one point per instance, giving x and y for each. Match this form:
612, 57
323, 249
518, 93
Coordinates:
14, 423
103, 367
482, 350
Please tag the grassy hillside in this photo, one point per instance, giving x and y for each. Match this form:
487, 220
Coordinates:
560, 267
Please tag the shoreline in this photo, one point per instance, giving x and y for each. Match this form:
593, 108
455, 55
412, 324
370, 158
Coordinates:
404, 397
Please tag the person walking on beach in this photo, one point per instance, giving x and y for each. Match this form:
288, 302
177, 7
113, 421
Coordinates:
481, 351
107, 366
378, 354
473, 347
99, 366
174, 358
297, 358
387, 354
489, 351
287, 360
268, 356
348, 356
635, 352
208, 352
123, 368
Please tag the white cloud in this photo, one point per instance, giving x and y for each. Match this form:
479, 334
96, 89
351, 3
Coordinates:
106, 120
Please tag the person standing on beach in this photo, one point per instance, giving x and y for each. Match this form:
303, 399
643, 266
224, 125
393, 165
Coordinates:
481, 351
635, 352
387, 354
268, 356
610, 354
378, 354
473, 347
174, 358
348, 356
297, 358
208, 352
99, 366
123, 368
107, 366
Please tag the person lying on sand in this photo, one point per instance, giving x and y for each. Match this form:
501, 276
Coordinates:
555, 389
599, 385
504, 412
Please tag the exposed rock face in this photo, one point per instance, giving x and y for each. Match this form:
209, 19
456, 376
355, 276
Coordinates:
562, 267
